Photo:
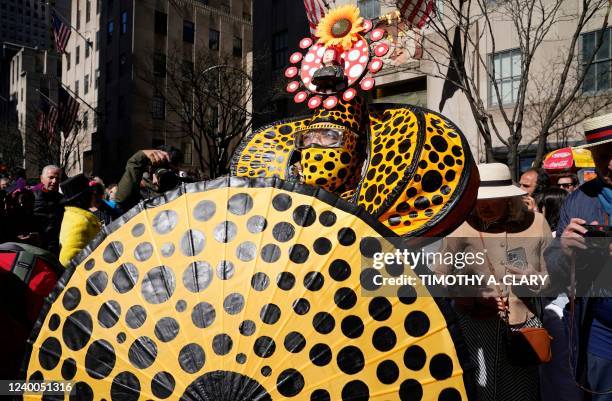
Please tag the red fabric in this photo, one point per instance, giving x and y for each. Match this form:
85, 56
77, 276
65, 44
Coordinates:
7, 260
42, 281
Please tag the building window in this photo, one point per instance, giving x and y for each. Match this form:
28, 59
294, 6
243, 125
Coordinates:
280, 51
77, 53
159, 64
369, 9
161, 23
598, 74
87, 46
507, 67
188, 31
76, 88
78, 19
110, 30
85, 120
213, 39
86, 85
187, 151
158, 109
237, 47
187, 70
87, 10
97, 82
67, 61
124, 22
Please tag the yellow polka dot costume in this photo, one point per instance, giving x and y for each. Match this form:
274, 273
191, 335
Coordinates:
416, 173
242, 289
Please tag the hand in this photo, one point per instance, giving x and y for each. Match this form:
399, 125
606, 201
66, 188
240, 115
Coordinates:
573, 236
490, 298
157, 157
530, 203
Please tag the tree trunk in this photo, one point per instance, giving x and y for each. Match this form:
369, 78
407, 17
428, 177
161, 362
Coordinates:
513, 156
541, 149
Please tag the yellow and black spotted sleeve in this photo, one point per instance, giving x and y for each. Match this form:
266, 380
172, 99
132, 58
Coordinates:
420, 176
267, 152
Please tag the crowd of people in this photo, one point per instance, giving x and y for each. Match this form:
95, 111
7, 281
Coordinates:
544, 218
62, 215
44, 214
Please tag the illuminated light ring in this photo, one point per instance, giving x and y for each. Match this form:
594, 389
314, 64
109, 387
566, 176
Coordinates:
300, 97
330, 102
375, 65
377, 34
293, 86
367, 83
349, 94
291, 72
305, 43
314, 102
296, 57
381, 49
367, 25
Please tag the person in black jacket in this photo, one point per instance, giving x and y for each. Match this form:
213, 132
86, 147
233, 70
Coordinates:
585, 266
48, 209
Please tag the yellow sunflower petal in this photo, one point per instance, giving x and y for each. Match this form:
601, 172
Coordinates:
325, 27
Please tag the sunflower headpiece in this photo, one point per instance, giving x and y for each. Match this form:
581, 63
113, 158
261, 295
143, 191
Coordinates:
360, 50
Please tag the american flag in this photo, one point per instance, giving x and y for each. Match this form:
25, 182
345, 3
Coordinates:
315, 10
47, 118
68, 111
61, 32
416, 12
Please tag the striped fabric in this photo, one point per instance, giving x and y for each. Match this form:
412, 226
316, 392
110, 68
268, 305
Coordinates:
47, 119
416, 12
495, 378
61, 32
315, 10
68, 110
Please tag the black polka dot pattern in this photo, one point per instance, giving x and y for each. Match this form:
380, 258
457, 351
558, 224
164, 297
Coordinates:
255, 285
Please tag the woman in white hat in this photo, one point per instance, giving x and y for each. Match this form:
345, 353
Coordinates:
514, 239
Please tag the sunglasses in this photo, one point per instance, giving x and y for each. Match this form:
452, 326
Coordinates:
324, 138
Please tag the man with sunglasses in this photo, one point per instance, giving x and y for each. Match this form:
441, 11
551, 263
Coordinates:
568, 182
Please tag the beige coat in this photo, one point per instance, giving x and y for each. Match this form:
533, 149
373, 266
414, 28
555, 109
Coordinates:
534, 235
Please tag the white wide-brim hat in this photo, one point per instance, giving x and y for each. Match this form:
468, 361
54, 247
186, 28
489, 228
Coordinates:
496, 182
597, 131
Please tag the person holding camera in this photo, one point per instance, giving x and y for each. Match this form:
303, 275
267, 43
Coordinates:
583, 266
148, 173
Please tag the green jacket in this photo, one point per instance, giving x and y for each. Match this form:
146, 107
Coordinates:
129, 192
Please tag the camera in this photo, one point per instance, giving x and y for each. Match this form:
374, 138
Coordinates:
166, 179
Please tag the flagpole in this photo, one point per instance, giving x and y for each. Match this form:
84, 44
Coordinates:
47, 97
79, 98
87, 41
